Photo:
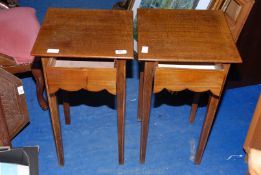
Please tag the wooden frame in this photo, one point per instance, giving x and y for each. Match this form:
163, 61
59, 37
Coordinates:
236, 12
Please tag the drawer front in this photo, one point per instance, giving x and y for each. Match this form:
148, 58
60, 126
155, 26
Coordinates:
74, 79
195, 80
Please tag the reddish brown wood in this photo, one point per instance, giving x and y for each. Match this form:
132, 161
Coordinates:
140, 102
74, 79
236, 12
194, 107
193, 79
94, 24
182, 36
211, 111
121, 96
39, 79
54, 113
149, 68
66, 108
88, 59
5, 140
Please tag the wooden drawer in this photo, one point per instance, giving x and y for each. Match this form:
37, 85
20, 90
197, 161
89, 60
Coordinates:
76, 75
197, 80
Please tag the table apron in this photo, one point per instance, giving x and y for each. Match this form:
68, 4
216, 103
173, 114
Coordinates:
192, 79
91, 79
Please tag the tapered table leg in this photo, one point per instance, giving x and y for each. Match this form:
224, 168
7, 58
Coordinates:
121, 96
140, 102
54, 113
56, 127
66, 108
147, 91
210, 115
194, 107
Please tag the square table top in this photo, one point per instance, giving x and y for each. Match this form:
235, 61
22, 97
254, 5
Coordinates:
82, 33
185, 36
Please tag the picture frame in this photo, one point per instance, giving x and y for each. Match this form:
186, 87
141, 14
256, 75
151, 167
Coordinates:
170, 4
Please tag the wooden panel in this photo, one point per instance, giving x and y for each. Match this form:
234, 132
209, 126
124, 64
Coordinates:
85, 33
253, 139
13, 105
195, 80
236, 12
185, 36
71, 79
4, 134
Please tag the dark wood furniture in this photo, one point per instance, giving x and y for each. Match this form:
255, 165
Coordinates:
186, 37
236, 12
90, 52
253, 138
13, 109
249, 47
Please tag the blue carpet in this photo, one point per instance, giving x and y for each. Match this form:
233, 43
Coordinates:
90, 142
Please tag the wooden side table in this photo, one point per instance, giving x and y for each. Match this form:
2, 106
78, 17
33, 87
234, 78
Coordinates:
183, 49
85, 49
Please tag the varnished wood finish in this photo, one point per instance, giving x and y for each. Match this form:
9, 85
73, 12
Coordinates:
194, 107
74, 79
66, 108
183, 35
87, 41
236, 18
121, 96
212, 108
236, 12
216, 4
192, 79
253, 138
54, 112
149, 69
39, 79
74, 31
140, 101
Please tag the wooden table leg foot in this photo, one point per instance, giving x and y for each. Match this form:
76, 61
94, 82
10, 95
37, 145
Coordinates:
210, 115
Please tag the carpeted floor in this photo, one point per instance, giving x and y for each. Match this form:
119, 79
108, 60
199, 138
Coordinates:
90, 142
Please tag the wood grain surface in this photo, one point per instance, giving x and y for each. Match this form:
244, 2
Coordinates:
85, 33
185, 36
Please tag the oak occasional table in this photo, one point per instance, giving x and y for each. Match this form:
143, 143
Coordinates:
183, 49
85, 49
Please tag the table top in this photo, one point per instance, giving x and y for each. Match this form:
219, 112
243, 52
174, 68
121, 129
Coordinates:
185, 36
81, 33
